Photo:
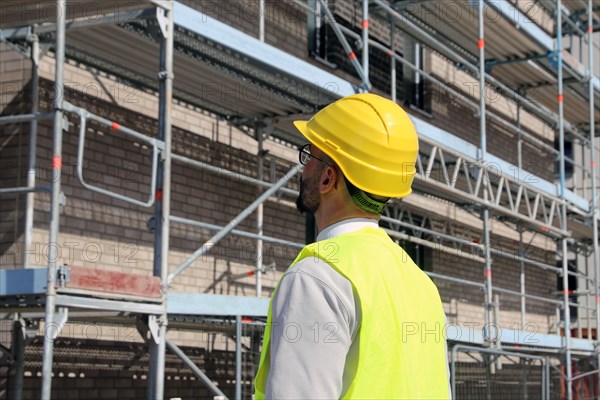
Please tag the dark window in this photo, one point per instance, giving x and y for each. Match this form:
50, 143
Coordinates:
572, 281
568, 165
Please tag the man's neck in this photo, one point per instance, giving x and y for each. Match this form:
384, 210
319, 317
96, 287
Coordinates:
345, 226
324, 219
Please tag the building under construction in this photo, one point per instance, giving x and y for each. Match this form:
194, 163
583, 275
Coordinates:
148, 177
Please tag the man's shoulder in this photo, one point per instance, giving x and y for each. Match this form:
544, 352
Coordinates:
316, 267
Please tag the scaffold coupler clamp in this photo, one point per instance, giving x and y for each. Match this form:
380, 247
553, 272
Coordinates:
153, 327
63, 276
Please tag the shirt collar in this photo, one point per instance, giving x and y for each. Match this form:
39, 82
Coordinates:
345, 226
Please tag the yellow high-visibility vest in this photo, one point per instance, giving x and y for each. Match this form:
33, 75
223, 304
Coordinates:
402, 351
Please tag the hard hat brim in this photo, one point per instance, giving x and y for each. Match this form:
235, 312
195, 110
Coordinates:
303, 128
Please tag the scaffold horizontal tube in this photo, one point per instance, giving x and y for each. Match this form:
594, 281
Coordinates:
66, 300
474, 245
584, 374
14, 119
456, 280
435, 246
19, 190
135, 134
528, 296
230, 174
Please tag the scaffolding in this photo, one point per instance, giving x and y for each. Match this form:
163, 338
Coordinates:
448, 168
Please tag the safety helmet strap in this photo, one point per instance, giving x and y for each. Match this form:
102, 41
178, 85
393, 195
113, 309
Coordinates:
364, 201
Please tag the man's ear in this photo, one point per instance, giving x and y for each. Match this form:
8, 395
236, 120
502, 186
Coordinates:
328, 181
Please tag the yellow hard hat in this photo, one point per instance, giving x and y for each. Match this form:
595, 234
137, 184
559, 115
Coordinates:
371, 139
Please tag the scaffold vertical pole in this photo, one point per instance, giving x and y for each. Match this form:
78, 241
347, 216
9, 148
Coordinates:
482, 150
56, 164
30, 198
261, 20
593, 166
519, 138
487, 269
392, 54
238, 357
365, 40
18, 349
482, 108
564, 255
163, 197
522, 278
259, 213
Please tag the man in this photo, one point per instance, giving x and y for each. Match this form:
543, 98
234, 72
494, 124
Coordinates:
353, 316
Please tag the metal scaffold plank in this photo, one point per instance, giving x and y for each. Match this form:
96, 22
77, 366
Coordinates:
532, 30
230, 37
213, 304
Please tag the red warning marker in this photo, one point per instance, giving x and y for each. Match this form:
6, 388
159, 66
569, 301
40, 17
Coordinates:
56, 162
115, 126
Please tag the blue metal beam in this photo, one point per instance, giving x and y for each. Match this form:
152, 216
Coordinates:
470, 334
23, 281
217, 305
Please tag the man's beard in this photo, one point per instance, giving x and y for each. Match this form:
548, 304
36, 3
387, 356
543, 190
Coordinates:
308, 200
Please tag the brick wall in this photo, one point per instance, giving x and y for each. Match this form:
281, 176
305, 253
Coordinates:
15, 73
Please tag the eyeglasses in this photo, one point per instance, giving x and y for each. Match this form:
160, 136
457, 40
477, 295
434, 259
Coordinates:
305, 155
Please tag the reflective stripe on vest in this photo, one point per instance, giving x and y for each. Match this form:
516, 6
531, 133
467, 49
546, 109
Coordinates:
402, 352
